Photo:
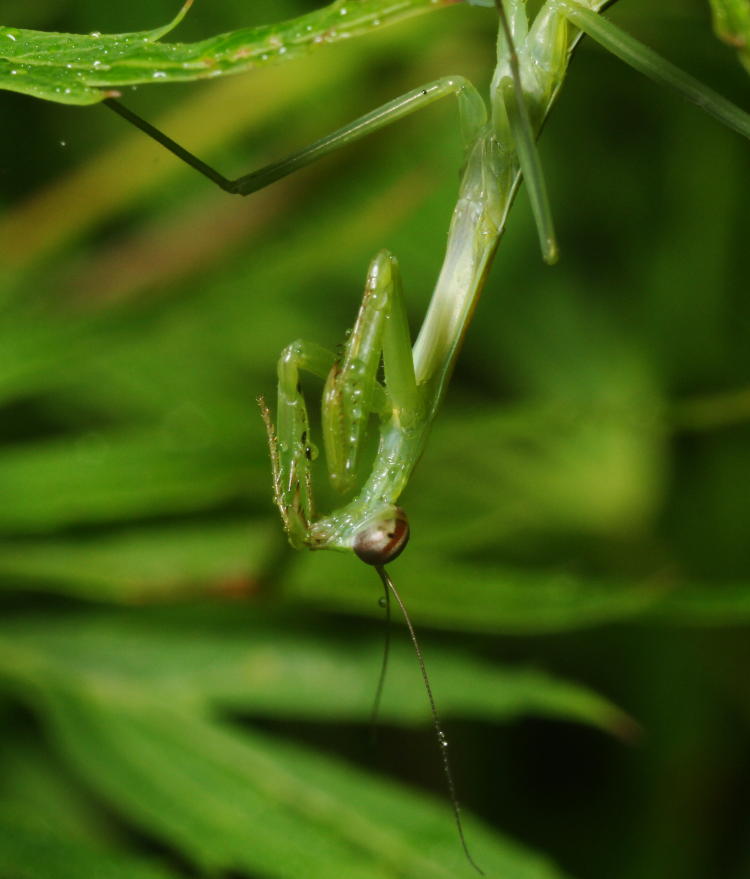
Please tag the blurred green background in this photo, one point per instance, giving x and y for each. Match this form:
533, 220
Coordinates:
183, 695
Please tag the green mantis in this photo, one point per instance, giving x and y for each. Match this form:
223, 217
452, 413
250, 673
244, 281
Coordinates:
500, 147
499, 144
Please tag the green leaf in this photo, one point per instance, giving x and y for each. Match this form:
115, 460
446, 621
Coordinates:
29, 850
468, 595
142, 563
86, 69
270, 665
102, 476
231, 800
731, 19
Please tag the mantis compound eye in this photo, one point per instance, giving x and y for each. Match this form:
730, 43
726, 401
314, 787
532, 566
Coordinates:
383, 539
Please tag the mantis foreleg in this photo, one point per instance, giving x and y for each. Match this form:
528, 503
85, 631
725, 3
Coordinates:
290, 445
352, 393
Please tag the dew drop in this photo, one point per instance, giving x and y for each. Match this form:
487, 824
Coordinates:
11, 36
95, 34
64, 143
158, 74
381, 601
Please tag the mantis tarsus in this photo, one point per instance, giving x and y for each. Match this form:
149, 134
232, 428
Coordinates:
500, 148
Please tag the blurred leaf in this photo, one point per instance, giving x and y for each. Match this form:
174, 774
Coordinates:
732, 24
103, 476
246, 801
466, 595
78, 69
37, 787
31, 851
257, 663
143, 563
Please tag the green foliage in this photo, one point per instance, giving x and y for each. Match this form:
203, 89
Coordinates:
732, 24
85, 69
181, 694
29, 851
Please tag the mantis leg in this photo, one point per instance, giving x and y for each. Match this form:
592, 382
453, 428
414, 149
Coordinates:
510, 90
471, 106
650, 63
291, 448
352, 391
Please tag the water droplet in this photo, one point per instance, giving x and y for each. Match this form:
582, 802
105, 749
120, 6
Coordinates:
381, 601
95, 34
343, 11
64, 143
11, 36
158, 74
13, 72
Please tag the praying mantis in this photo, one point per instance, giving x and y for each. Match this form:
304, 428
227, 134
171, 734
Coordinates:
499, 150
499, 143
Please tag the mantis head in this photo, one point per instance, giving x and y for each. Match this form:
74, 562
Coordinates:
383, 538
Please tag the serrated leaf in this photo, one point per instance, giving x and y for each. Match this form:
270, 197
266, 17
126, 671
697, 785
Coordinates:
86, 69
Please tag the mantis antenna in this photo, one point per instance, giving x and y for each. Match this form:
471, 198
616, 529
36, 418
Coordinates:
388, 586
385, 602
